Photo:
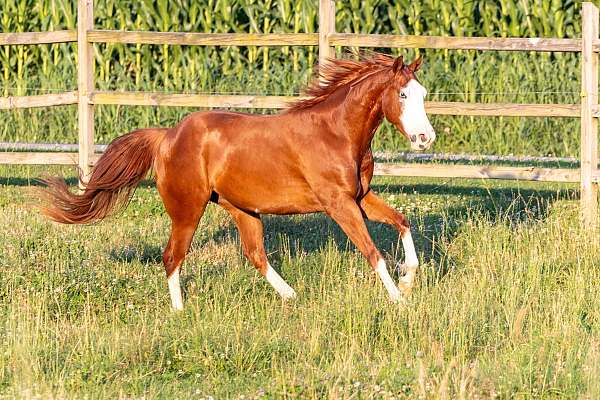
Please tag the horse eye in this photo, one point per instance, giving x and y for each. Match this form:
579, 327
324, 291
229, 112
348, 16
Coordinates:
402, 95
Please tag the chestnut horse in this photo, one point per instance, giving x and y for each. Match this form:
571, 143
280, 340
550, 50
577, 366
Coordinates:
313, 157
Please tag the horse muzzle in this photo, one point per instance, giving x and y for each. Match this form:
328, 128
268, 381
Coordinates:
422, 141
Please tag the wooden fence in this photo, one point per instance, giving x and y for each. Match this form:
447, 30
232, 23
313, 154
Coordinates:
86, 96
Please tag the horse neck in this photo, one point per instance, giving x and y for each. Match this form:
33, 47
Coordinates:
362, 112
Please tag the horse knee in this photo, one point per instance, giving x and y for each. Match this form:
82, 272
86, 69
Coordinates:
168, 261
172, 258
257, 258
402, 223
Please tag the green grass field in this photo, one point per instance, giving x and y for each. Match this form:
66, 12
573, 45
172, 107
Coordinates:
506, 304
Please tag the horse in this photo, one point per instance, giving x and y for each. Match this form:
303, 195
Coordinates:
314, 156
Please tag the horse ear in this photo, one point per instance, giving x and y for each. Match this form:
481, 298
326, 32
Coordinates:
414, 67
398, 64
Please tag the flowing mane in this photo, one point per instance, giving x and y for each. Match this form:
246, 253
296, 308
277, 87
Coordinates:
337, 73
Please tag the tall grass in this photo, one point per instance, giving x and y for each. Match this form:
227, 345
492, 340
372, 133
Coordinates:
449, 75
505, 305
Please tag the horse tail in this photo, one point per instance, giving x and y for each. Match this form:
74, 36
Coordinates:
115, 176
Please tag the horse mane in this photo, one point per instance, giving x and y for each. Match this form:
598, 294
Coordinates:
338, 72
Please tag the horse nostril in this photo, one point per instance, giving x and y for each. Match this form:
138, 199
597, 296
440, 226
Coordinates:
413, 138
423, 137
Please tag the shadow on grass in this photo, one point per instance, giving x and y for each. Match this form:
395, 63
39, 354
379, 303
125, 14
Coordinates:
148, 254
506, 193
309, 234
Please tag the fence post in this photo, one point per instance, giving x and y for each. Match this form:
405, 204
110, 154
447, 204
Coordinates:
85, 82
326, 26
589, 123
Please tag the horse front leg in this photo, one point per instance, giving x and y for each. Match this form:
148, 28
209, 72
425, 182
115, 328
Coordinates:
349, 217
375, 209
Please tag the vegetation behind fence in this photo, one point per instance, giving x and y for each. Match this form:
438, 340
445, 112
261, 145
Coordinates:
449, 75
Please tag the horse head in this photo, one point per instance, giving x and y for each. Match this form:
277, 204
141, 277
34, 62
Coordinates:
404, 106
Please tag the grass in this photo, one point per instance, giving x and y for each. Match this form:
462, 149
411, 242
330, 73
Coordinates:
505, 304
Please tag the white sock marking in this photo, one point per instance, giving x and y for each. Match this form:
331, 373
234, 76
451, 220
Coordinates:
279, 284
175, 291
410, 254
411, 261
387, 280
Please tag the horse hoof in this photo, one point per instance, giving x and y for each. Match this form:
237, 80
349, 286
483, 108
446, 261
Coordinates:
403, 268
288, 295
400, 300
405, 289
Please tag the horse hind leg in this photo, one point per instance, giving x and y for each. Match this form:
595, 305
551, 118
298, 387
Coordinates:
173, 256
250, 228
185, 209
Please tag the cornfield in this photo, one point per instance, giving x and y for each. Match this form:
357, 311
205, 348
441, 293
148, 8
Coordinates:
449, 75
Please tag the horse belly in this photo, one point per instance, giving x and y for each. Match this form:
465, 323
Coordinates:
266, 193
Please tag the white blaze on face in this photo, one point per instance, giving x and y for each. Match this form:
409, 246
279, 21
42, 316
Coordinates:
414, 119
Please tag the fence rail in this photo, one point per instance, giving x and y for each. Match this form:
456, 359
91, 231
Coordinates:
278, 102
191, 100
14, 38
326, 39
204, 39
455, 43
49, 158
44, 100
480, 171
